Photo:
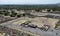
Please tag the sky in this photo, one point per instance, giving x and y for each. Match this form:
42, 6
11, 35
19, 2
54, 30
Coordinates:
29, 1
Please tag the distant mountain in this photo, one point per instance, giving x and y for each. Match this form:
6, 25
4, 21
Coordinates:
58, 4
31, 6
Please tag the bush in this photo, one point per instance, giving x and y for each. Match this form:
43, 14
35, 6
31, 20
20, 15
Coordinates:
12, 15
18, 15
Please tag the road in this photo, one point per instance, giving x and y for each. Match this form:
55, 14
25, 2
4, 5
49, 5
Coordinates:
44, 14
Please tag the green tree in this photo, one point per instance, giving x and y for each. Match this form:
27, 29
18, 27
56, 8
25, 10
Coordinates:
6, 13
19, 15
13, 14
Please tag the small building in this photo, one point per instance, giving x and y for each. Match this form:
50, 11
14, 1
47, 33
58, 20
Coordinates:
44, 10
